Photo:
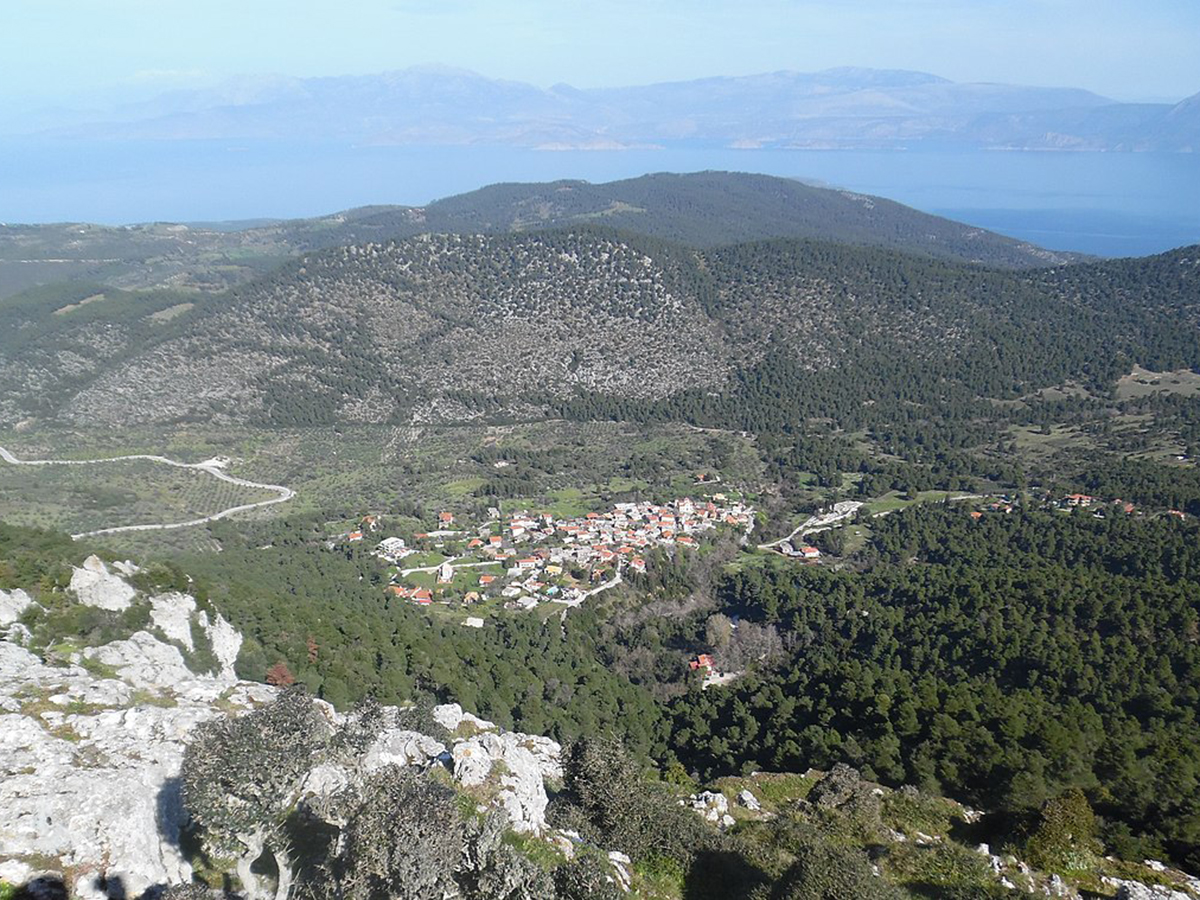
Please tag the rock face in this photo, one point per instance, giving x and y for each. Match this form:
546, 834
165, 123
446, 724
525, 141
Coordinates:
12, 605
226, 642
90, 752
94, 585
517, 763
89, 777
172, 615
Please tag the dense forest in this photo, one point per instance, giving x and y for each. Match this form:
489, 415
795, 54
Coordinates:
1002, 660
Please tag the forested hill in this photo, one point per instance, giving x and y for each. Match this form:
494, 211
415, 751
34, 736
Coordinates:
588, 323
704, 209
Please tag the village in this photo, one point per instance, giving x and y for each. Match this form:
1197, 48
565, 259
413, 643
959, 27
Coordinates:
527, 561
524, 560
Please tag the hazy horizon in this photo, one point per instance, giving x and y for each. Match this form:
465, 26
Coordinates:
63, 53
248, 153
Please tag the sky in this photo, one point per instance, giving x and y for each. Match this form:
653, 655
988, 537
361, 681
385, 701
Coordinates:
96, 52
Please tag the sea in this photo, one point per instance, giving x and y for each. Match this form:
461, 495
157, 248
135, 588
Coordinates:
1107, 204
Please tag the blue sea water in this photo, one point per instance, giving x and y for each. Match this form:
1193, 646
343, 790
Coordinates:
1109, 204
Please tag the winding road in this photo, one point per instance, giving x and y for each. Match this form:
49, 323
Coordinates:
213, 467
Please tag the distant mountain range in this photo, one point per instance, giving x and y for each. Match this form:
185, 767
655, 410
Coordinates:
848, 108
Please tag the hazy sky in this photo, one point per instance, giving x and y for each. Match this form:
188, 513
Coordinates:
69, 51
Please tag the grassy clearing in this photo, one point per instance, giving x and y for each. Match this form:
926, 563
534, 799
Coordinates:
1143, 383
461, 487
894, 500
570, 502
1039, 444
857, 537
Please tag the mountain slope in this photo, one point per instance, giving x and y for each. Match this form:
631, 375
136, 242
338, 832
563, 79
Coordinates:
706, 209
589, 322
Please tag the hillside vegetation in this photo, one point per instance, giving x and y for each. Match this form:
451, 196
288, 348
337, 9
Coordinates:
590, 323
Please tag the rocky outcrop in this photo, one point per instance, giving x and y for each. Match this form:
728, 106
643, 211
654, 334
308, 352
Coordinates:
226, 642
749, 801
516, 765
91, 751
451, 716
12, 605
172, 615
89, 765
144, 661
403, 748
713, 806
94, 585
1132, 890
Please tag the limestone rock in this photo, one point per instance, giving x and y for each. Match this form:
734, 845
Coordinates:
226, 643
621, 865
523, 794
450, 716
89, 763
1056, 887
12, 605
522, 791
94, 585
143, 660
1133, 890
96, 790
710, 804
172, 614
749, 801
402, 748
473, 759
325, 782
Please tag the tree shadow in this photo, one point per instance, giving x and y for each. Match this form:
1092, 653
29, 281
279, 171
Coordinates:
170, 813
49, 887
722, 875
113, 888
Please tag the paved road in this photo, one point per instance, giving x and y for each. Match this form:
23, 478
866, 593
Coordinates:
454, 564
211, 467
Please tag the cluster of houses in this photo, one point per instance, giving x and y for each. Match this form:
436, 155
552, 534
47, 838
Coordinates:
1099, 506
619, 536
536, 557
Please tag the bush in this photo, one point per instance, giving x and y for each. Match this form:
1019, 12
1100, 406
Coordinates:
1065, 838
825, 872
585, 878
603, 788
403, 840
